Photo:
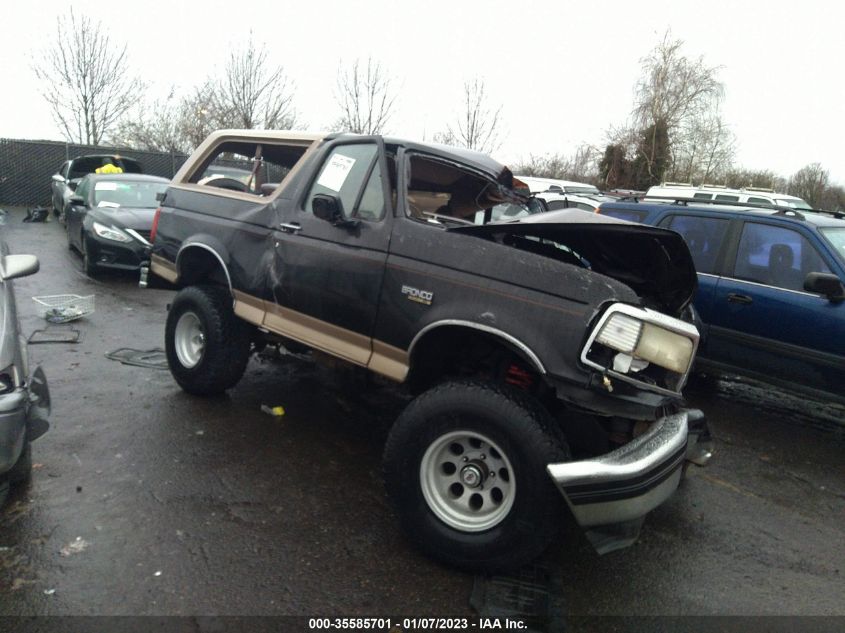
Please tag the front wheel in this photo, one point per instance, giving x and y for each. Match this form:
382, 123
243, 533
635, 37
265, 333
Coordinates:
465, 466
207, 346
88, 265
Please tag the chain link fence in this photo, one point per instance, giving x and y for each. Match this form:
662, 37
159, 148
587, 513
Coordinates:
26, 167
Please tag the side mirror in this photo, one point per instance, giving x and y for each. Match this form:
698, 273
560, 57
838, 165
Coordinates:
77, 201
330, 208
73, 184
58, 178
14, 266
825, 284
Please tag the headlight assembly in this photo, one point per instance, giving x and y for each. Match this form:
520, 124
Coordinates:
642, 347
111, 233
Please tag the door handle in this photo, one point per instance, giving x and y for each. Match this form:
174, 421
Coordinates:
735, 298
291, 227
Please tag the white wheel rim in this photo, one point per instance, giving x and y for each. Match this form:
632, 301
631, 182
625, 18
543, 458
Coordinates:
189, 340
467, 481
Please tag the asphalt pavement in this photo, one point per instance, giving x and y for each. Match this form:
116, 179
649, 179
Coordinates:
147, 501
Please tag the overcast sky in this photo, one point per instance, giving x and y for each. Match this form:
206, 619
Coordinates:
563, 72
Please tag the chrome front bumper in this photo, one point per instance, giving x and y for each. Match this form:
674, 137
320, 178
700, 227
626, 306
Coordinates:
610, 495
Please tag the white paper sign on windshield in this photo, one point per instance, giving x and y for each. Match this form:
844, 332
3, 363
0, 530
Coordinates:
335, 172
105, 186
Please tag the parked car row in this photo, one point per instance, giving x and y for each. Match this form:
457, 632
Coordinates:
771, 289
109, 219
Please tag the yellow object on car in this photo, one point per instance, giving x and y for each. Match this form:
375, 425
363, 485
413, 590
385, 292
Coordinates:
109, 168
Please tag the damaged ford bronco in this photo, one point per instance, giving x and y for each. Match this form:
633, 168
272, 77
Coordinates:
546, 359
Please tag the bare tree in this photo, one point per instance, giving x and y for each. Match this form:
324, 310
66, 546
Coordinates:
251, 93
703, 149
833, 199
738, 178
581, 165
85, 79
478, 126
365, 97
198, 115
809, 183
672, 90
157, 126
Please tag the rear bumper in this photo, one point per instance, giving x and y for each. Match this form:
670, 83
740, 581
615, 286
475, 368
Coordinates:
610, 495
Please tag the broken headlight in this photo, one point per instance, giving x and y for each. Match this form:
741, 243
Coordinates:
642, 347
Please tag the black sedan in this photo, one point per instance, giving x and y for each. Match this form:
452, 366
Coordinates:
110, 217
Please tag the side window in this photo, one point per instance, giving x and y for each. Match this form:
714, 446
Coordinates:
247, 166
624, 214
371, 206
764, 201
776, 256
703, 196
727, 198
704, 237
554, 205
344, 172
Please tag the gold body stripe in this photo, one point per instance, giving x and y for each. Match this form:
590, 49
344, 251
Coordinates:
384, 359
163, 268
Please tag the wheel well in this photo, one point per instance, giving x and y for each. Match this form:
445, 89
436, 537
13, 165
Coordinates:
196, 264
461, 351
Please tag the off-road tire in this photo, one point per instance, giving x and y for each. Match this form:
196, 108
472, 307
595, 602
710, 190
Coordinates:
523, 429
227, 340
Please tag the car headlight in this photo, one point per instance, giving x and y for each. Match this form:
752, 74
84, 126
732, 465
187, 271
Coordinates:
642, 346
111, 233
647, 342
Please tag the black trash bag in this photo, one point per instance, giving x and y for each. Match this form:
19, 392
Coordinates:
38, 214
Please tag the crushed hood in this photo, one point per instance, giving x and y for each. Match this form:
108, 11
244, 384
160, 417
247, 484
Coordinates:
655, 263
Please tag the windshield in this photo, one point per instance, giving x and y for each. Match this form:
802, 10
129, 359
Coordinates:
795, 203
835, 236
508, 211
127, 193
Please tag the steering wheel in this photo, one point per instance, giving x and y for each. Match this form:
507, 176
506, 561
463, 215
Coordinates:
224, 182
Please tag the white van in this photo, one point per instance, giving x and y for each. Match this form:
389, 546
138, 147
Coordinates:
553, 185
719, 193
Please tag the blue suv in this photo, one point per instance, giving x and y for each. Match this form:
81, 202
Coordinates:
771, 293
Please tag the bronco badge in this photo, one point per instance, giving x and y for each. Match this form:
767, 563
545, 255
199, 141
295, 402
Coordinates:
420, 296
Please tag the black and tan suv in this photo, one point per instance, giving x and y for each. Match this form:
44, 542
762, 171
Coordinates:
547, 359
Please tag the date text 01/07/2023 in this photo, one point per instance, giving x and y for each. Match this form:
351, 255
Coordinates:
416, 624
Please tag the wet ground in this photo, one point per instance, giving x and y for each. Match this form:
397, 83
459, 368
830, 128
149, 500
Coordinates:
146, 501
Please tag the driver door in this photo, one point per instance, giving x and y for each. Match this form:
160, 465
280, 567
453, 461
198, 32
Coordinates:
327, 276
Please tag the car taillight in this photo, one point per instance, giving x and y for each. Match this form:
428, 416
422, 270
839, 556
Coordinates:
155, 225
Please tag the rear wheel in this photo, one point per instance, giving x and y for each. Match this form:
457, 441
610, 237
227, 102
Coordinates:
465, 466
207, 346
